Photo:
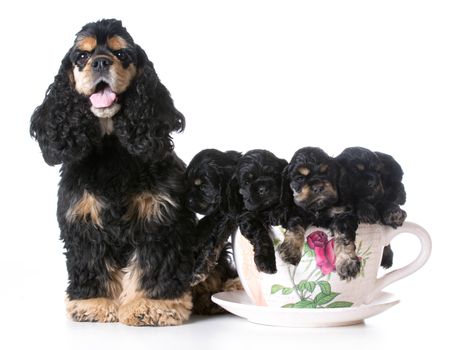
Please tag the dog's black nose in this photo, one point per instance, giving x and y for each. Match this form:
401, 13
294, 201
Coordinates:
101, 64
318, 188
373, 181
262, 190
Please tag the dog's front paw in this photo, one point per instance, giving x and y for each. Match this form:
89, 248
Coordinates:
347, 265
265, 264
92, 310
156, 312
388, 257
395, 217
289, 253
367, 214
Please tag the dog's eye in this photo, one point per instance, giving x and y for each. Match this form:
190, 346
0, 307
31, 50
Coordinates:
83, 56
121, 55
299, 178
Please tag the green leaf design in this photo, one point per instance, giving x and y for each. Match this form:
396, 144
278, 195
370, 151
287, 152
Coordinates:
339, 304
287, 291
322, 299
310, 252
325, 287
306, 248
305, 304
276, 288
288, 306
306, 285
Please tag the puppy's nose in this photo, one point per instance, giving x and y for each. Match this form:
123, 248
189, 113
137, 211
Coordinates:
372, 181
101, 64
318, 188
262, 190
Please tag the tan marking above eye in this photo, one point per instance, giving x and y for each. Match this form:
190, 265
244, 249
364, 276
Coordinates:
360, 167
87, 43
198, 182
116, 43
304, 171
323, 168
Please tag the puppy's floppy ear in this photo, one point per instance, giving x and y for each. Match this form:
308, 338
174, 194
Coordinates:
343, 183
63, 124
235, 202
285, 191
149, 114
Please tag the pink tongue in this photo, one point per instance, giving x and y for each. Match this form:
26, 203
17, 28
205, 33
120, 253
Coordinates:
103, 98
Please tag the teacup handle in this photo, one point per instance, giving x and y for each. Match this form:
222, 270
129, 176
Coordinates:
423, 256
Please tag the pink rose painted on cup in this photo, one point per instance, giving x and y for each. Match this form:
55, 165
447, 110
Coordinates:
324, 251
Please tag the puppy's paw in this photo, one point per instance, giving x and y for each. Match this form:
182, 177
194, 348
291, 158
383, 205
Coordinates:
367, 214
289, 253
198, 278
347, 267
92, 310
387, 259
265, 264
395, 217
156, 312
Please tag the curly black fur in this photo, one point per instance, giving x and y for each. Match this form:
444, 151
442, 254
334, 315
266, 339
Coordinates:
135, 158
377, 189
254, 196
208, 177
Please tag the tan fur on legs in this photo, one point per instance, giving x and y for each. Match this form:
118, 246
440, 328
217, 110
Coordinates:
232, 285
347, 262
290, 249
92, 310
143, 311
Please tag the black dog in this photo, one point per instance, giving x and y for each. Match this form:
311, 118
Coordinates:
322, 199
208, 178
107, 118
377, 189
255, 198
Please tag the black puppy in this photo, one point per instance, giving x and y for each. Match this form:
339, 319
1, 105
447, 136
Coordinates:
255, 198
208, 177
322, 199
377, 189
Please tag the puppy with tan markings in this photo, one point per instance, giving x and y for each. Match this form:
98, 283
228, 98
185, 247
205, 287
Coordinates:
321, 198
208, 178
377, 190
107, 118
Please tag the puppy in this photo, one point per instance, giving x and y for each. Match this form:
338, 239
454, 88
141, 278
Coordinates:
223, 277
208, 177
255, 198
377, 190
322, 199
107, 118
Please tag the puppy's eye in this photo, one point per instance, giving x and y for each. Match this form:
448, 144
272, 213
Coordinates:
299, 178
121, 55
83, 55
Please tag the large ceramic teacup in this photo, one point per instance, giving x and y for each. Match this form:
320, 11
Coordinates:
314, 283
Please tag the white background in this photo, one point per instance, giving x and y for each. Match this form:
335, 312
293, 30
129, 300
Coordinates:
278, 75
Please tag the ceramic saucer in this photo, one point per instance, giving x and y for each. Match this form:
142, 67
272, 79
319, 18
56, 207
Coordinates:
238, 303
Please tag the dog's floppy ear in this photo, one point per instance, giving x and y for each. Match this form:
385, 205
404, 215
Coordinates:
343, 183
234, 199
285, 191
149, 115
63, 124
